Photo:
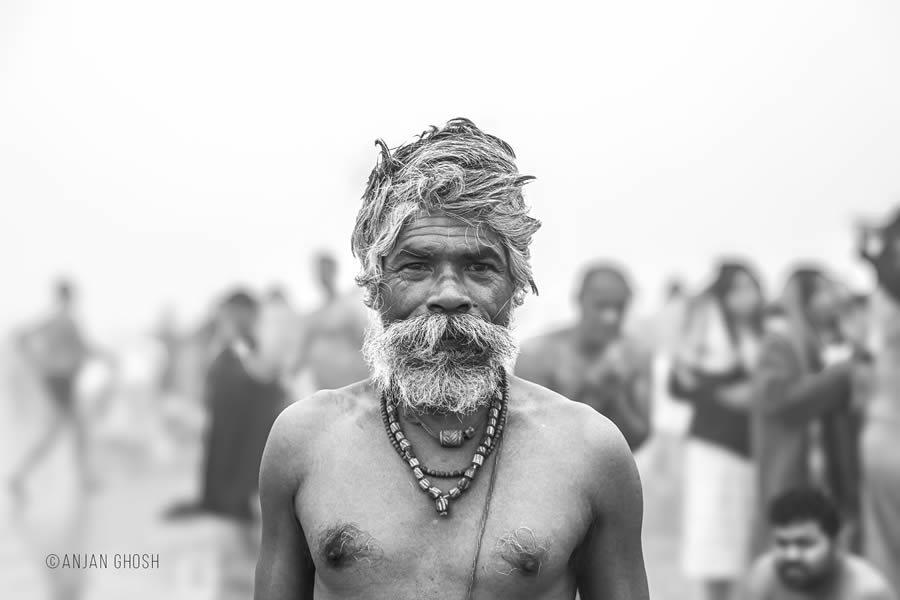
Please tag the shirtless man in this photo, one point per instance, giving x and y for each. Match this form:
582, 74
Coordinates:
592, 362
57, 350
331, 345
805, 562
556, 506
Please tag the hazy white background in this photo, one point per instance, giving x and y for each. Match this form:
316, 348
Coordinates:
158, 151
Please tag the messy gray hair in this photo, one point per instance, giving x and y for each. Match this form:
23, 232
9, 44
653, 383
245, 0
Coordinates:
458, 170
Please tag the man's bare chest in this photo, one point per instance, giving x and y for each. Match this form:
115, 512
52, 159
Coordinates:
590, 379
370, 525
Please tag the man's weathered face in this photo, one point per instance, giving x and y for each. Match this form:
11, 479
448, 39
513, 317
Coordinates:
804, 554
442, 265
446, 307
603, 303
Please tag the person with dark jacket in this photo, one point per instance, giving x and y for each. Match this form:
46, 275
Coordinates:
242, 407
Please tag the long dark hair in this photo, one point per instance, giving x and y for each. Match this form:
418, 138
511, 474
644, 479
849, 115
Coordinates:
801, 286
722, 285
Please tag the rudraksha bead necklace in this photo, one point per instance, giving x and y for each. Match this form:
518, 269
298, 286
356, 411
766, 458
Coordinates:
493, 431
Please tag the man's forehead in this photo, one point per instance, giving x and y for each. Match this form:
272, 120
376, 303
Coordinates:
606, 285
427, 231
798, 529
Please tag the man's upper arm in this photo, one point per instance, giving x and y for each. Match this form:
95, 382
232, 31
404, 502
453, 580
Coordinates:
285, 568
642, 392
610, 563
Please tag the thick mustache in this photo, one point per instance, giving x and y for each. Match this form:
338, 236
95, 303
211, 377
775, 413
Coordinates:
433, 328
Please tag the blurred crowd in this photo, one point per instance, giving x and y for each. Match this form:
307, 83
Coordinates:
787, 460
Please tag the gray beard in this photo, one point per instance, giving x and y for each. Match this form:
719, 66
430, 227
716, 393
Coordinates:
439, 363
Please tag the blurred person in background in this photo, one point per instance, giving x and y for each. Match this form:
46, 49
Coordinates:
170, 341
880, 247
669, 321
804, 375
842, 421
663, 458
57, 350
243, 405
279, 333
805, 560
330, 350
712, 367
593, 362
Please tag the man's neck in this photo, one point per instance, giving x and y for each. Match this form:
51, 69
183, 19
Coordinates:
438, 420
592, 347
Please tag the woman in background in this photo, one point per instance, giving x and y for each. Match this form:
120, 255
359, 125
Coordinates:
795, 391
712, 370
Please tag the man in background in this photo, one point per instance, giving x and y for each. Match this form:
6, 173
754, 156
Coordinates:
805, 561
331, 345
593, 362
57, 350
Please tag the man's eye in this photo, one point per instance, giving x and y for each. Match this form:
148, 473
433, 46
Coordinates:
479, 267
415, 266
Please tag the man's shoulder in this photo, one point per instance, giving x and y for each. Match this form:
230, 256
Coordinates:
307, 419
868, 582
761, 580
299, 431
592, 433
329, 406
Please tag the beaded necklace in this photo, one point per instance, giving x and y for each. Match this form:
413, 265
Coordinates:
493, 432
448, 438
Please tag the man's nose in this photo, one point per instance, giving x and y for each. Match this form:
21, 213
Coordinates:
449, 294
792, 553
609, 315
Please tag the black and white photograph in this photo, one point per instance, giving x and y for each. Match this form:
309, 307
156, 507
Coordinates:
472, 301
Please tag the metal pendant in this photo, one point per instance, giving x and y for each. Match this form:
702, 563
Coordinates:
451, 438
454, 438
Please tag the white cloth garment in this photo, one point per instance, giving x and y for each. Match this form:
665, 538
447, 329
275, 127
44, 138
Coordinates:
718, 511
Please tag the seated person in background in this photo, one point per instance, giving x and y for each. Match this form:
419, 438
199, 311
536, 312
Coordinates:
805, 560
